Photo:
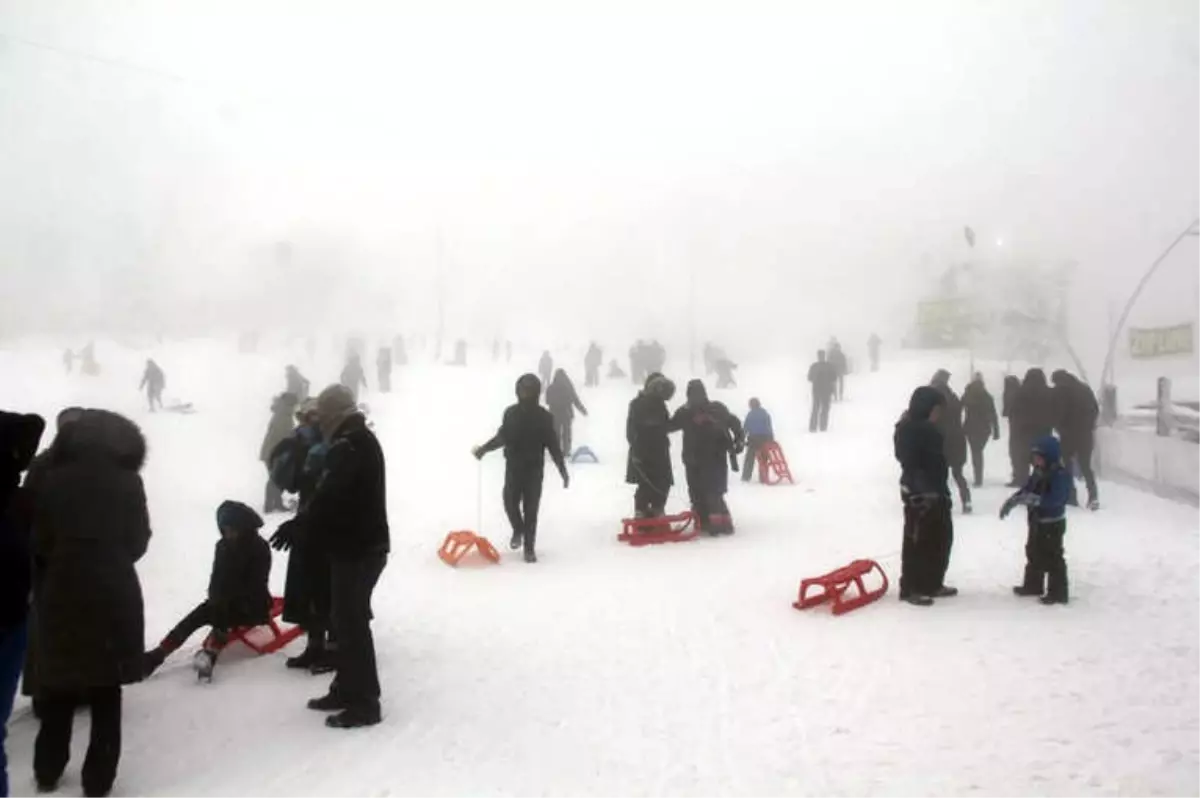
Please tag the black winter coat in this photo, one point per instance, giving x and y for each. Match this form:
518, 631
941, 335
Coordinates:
90, 527
1033, 407
919, 447
950, 424
646, 430
710, 432
347, 516
237, 587
562, 398
824, 376
979, 414
1075, 409
526, 434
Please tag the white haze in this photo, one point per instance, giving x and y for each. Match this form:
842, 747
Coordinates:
809, 164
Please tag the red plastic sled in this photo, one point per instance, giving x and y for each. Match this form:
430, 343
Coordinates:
835, 584
663, 529
458, 544
280, 637
772, 465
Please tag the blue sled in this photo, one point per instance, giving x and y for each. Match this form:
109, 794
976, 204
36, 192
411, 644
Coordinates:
584, 455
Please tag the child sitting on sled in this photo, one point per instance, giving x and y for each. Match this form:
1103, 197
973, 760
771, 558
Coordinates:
237, 591
1045, 494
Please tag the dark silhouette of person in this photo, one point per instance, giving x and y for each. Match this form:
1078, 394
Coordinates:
823, 377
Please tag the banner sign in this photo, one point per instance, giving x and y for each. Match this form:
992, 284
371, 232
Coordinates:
1152, 342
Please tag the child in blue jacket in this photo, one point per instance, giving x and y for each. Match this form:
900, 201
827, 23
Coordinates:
1045, 493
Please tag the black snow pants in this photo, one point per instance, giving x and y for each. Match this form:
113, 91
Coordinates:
960, 480
706, 491
1080, 450
352, 582
52, 749
1045, 563
272, 496
754, 444
563, 423
820, 412
522, 498
925, 551
1018, 454
203, 615
977, 446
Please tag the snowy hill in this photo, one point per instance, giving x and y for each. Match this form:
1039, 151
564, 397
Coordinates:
674, 670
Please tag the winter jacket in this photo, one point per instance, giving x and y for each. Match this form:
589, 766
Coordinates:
347, 516
950, 424
1047, 490
280, 426
526, 434
19, 438
758, 423
837, 359
237, 586
1033, 407
353, 376
710, 431
824, 376
90, 527
1075, 408
979, 413
1012, 387
919, 447
561, 397
647, 427
153, 379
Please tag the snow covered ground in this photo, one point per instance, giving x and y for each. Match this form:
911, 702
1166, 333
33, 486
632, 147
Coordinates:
674, 670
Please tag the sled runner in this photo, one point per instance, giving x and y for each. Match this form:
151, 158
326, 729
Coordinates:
663, 529
458, 544
835, 584
280, 637
772, 465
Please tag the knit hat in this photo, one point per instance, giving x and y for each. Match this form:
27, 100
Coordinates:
334, 405
529, 386
235, 515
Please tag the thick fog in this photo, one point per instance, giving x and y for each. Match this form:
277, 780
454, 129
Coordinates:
757, 174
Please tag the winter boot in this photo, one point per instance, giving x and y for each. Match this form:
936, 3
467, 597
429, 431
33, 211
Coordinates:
917, 600
330, 702
1033, 584
203, 662
945, 591
967, 509
1056, 585
530, 557
1093, 504
355, 717
313, 651
325, 661
516, 541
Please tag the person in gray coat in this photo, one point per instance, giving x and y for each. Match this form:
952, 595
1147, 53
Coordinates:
279, 428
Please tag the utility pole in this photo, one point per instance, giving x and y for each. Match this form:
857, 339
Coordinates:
440, 265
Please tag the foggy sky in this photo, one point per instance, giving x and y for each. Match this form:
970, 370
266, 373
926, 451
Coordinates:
573, 166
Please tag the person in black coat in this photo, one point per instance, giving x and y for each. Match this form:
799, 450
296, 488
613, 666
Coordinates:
545, 368
563, 401
526, 434
591, 365
712, 438
347, 519
237, 591
648, 465
824, 379
841, 367
19, 438
383, 364
1012, 387
90, 527
279, 427
928, 526
954, 439
1075, 414
353, 376
1032, 416
979, 422
153, 383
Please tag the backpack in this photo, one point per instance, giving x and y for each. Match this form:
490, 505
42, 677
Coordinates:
286, 463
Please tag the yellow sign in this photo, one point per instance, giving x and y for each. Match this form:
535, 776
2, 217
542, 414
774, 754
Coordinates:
1153, 342
938, 313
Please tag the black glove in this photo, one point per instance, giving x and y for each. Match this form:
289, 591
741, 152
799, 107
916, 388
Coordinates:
285, 536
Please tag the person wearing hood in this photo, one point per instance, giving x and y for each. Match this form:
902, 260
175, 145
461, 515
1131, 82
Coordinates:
1032, 417
154, 381
526, 434
928, 526
297, 383
19, 438
1075, 414
90, 527
824, 379
954, 439
563, 401
278, 428
979, 422
237, 591
353, 376
712, 438
1045, 494
1008, 402
647, 426
296, 467
591, 365
347, 520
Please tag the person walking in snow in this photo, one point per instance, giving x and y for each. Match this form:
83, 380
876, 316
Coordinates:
279, 428
563, 401
1032, 417
90, 527
980, 422
841, 367
545, 368
347, 519
954, 439
237, 591
647, 428
873, 344
353, 376
725, 368
712, 439
526, 434
153, 383
383, 365
823, 377
1008, 401
928, 526
1075, 414
19, 438
1045, 494
591, 364
759, 432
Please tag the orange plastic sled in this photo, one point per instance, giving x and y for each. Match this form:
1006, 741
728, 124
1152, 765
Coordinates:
833, 587
458, 544
663, 529
772, 465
